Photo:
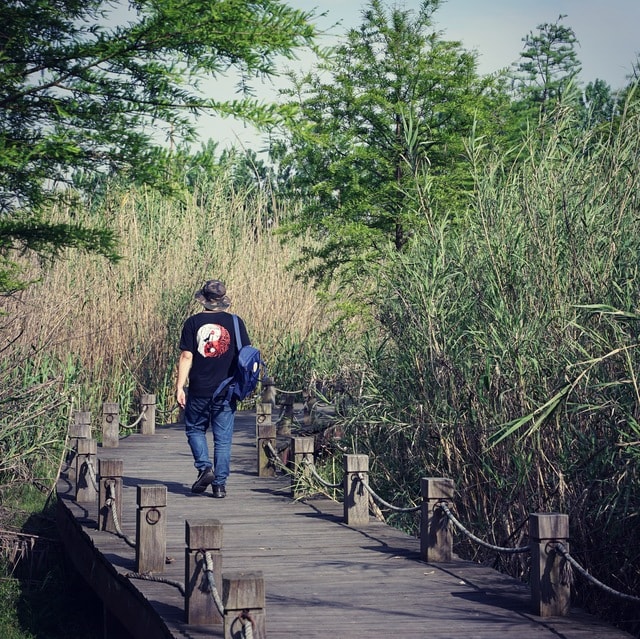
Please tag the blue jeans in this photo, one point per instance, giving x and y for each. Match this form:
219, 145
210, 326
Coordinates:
199, 413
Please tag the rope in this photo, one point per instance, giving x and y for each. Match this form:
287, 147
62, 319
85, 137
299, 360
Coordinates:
565, 553
314, 472
273, 456
147, 576
168, 411
443, 506
296, 392
110, 503
144, 410
208, 569
379, 499
247, 628
91, 471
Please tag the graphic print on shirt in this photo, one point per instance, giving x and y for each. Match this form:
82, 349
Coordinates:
213, 340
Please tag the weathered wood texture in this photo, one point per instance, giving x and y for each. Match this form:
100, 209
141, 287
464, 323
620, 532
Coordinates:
322, 578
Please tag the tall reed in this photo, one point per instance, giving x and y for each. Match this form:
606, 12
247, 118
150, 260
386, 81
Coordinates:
89, 331
511, 351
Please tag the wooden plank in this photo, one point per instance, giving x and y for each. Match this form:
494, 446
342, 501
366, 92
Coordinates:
322, 578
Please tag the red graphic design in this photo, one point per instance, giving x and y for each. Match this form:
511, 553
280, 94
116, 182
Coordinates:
213, 340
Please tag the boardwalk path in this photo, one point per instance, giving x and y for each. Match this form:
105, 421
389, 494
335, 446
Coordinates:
323, 579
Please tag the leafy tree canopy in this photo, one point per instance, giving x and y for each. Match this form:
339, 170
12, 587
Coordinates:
82, 92
378, 140
548, 67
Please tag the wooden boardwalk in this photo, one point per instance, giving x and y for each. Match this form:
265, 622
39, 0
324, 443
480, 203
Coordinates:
323, 579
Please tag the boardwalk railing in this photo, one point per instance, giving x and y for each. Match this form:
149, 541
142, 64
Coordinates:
551, 561
241, 609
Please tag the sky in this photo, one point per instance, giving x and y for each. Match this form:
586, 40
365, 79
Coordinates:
607, 32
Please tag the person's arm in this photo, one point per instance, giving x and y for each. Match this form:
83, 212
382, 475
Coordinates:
184, 366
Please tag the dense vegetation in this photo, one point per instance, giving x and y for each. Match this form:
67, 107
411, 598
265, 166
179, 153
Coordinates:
476, 304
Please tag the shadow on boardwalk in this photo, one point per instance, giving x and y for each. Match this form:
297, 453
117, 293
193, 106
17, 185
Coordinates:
323, 579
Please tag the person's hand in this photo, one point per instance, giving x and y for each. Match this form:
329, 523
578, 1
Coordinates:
181, 397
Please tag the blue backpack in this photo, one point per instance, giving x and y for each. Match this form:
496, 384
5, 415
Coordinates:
247, 374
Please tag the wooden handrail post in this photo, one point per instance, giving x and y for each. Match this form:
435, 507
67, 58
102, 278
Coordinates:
80, 428
356, 497
263, 414
202, 536
284, 424
436, 539
86, 479
110, 425
244, 603
550, 582
302, 451
110, 486
148, 408
265, 436
151, 528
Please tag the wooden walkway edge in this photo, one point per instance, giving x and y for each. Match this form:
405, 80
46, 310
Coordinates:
323, 579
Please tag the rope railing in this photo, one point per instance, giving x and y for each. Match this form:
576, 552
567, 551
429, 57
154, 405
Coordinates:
247, 623
318, 478
91, 472
284, 392
147, 576
382, 502
574, 564
167, 411
213, 590
244, 617
445, 509
138, 420
110, 502
272, 453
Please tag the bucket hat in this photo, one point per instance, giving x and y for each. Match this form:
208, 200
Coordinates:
213, 296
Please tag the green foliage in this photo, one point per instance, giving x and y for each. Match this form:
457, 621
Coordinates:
511, 349
83, 93
548, 68
376, 150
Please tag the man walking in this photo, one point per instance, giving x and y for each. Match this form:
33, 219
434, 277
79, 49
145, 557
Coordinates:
208, 355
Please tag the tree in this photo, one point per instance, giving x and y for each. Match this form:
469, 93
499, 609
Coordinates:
379, 145
77, 94
599, 103
549, 65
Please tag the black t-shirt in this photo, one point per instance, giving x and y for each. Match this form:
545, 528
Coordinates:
211, 339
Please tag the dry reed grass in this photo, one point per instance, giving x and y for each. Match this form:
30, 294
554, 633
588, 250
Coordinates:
119, 323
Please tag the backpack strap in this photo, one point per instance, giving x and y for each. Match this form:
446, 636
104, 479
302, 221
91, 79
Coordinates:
236, 327
226, 383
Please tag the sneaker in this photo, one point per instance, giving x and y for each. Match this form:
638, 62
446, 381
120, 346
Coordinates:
219, 491
205, 477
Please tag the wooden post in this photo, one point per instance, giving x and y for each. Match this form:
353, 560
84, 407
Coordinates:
79, 429
87, 481
151, 528
436, 539
263, 414
302, 450
148, 422
266, 436
550, 579
244, 603
110, 425
284, 423
110, 472
356, 497
200, 536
